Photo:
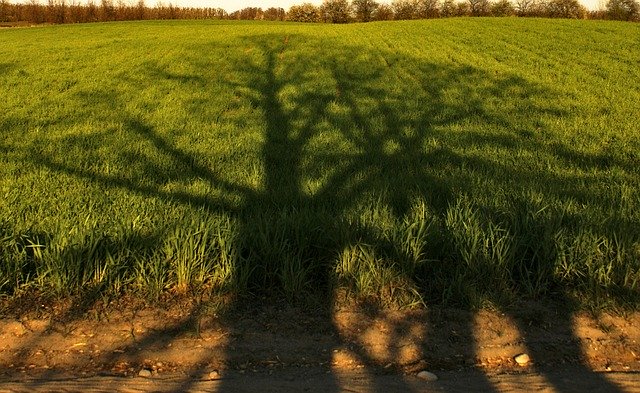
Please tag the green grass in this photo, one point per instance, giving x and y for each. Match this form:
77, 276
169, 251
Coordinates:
458, 161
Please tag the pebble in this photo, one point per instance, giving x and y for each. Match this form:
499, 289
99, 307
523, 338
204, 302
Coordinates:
213, 375
144, 373
523, 359
427, 376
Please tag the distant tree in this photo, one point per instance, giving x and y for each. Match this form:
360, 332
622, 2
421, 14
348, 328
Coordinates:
404, 9
56, 11
165, 11
247, 13
479, 7
172, 10
364, 9
571, 9
273, 13
600, 14
107, 11
427, 9
123, 11
34, 12
140, 10
503, 8
538, 9
305, 12
336, 11
75, 12
623, 9
5, 11
463, 9
524, 7
448, 8
220, 13
384, 12
82, 11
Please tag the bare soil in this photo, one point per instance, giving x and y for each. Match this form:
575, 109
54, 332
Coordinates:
350, 349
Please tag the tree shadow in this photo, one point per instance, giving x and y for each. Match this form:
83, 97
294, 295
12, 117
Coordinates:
345, 154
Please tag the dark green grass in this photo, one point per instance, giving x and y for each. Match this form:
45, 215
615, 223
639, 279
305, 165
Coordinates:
458, 161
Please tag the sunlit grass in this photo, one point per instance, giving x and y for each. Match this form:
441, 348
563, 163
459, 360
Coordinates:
460, 161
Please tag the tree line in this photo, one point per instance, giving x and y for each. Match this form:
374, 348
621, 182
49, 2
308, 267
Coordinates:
330, 11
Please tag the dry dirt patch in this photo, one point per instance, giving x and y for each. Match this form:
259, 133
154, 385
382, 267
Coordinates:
347, 345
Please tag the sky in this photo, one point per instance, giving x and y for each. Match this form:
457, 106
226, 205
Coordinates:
234, 5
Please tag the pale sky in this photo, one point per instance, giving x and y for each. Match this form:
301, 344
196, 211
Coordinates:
234, 5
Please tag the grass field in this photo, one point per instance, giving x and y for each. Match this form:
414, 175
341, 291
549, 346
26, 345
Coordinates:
459, 161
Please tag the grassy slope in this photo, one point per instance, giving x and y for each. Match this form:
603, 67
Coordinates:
457, 160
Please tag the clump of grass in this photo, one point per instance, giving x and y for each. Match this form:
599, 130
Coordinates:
481, 256
82, 259
368, 275
198, 257
15, 269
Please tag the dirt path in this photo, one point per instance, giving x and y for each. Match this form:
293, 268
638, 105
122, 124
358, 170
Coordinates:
312, 380
350, 350
347, 381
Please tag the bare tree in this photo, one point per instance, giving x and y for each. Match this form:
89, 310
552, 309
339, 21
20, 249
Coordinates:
502, 8
384, 12
336, 11
365, 9
524, 7
247, 13
107, 10
273, 13
448, 8
305, 12
4, 11
428, 8
463, 9
404, 9
479, 7
623, 9
565, 9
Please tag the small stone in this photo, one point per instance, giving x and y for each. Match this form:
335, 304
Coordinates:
523, 359
213, 375
427, 376
144, 373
